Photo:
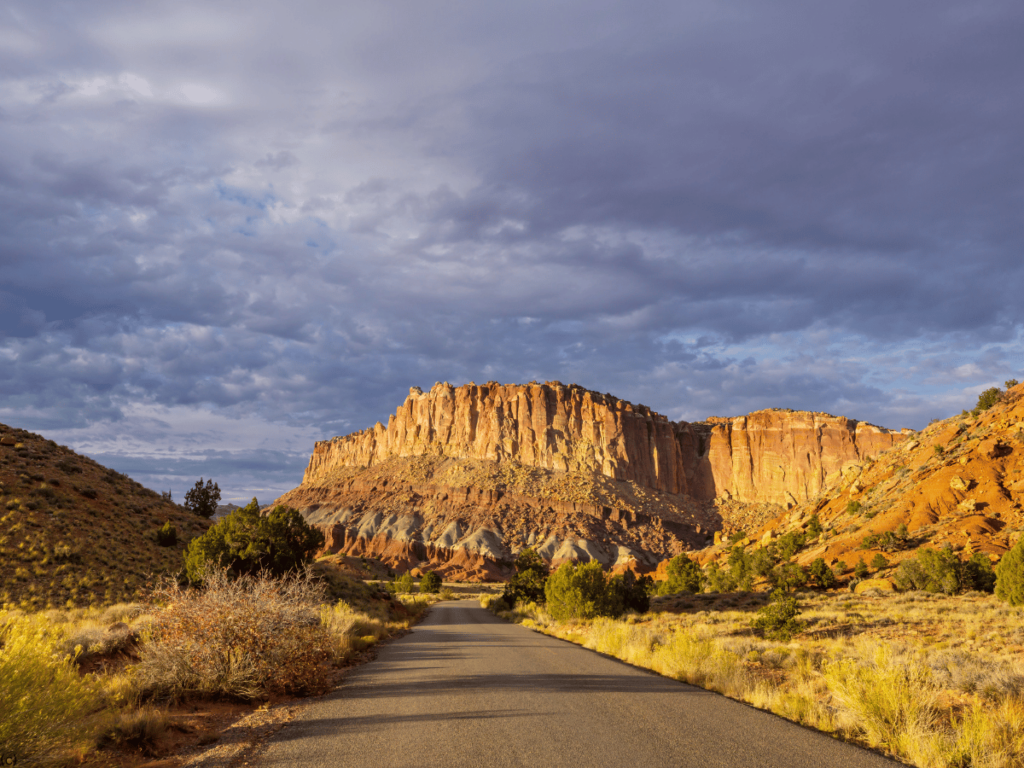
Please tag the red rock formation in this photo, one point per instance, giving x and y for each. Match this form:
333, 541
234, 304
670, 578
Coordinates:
770, 456
464, 477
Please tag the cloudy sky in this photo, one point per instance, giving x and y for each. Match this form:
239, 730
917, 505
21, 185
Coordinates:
230, 229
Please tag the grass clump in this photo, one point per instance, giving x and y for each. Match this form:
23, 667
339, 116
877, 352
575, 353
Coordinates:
43, 699
240, 638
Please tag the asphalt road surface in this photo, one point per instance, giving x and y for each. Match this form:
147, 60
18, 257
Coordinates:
467, 689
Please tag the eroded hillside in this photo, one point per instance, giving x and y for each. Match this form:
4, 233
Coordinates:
73, 532
959, 482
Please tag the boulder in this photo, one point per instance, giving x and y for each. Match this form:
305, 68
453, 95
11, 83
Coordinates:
882, 585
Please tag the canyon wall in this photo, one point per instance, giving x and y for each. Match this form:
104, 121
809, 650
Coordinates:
773, 456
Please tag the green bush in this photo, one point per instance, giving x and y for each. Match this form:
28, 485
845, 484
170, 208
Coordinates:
779, 619
788, 576
942, 571
579, 591
823, 576
814, 526
878, 562
987, 399
890, 541
1010, 576
852, 507
628, 593
737, 536
860, 570
718, 579
684, 575
527, 583
789, 544
403, 585
247, 542
430, 583
167, 536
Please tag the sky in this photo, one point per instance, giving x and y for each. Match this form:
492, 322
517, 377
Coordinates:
230, 229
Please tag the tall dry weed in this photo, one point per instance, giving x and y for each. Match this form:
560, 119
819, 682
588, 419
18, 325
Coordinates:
43, 700
241, 638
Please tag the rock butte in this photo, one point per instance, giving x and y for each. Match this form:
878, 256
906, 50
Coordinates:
461, 478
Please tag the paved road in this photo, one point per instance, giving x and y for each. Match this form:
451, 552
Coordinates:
467, 689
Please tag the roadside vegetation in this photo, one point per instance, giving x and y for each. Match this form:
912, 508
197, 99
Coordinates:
933, 678
254, 620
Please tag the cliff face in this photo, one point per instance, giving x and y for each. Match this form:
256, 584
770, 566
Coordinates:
780, 457
784, 457
567, 429
462, 478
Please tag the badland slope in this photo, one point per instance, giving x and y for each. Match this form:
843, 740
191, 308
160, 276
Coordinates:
957, 483
461, 478
73, 532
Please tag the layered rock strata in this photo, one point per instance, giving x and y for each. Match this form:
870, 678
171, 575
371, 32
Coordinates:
774, 456
443, 483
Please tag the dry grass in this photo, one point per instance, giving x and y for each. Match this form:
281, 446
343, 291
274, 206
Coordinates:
932, 680
85, 678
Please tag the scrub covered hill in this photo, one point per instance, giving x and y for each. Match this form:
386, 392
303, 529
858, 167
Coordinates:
75, 533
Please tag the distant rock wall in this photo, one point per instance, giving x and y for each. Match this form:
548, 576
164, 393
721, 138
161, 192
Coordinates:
769, 456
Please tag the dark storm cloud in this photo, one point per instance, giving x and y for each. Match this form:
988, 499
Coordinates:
287, 217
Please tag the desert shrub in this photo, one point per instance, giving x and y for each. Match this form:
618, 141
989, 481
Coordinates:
740, 573
136, 728
430, 583
578, 591
628, 593
987, 399
852, 507
789, 544
779, 619
1011, 383
718, 579
684, 575
976, 574
942, 571
1009, 584
788, 576
203, 499
494, 603
240, 637
527, 583
889, 541
403, 584
860, 570
246, 542
167, 536
878, 562
447, 593
823, 576
42, 697
762, 561
814, 526
737, 536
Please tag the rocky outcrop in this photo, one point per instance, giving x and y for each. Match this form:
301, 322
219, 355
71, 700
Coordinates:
774, 456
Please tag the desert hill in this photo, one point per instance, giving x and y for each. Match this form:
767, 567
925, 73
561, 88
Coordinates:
959, 482
462, 478
73, 532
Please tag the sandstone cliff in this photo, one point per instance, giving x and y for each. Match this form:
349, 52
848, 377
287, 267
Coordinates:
958, 483
775, 456
463, 477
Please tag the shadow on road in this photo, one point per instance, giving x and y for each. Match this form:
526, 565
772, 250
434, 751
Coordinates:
542, 683
339, 725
